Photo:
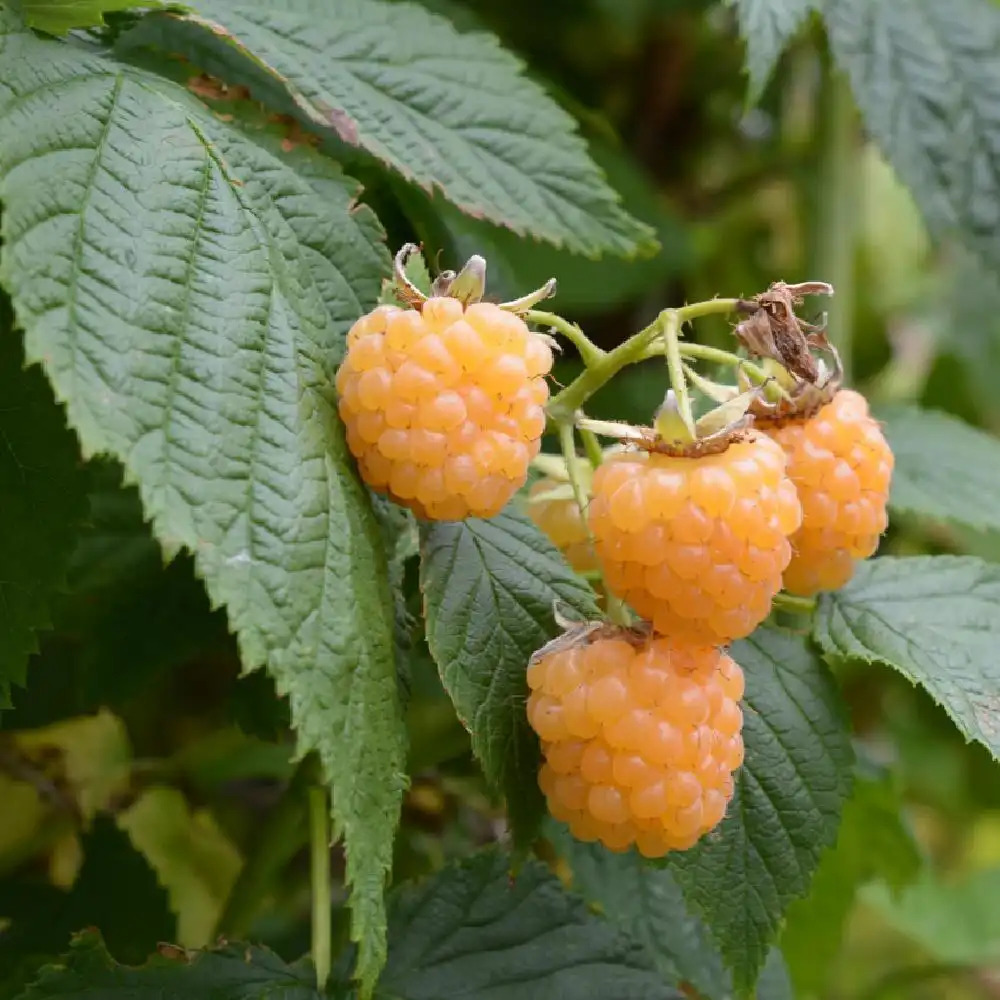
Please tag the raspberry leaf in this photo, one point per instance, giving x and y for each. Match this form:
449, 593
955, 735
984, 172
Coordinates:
59, 16
489, 592
936, 619
450, 112
475, 929
767, 26
927, 81
185, 290
786, 807
236, 971
945, 469
873, 843
43, 499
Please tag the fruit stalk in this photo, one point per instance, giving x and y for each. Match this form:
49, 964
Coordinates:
566, 403
590, 353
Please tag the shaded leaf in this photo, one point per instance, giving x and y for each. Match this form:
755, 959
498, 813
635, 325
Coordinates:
115, 890
767, 26
786, 807
449, 111
193, 859
873, 842
187, 291
59, 16
956, 923
489, 590
648, 904
43, 499
474, 930
936, 619
945, 469
236, 972
517, 265
927, 81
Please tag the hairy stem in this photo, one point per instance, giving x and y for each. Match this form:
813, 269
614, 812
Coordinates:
592, 446
590, 353
564, 404
675, 366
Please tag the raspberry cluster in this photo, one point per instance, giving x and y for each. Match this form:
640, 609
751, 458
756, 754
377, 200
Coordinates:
444, 406
641, 736
696, 545
841, 465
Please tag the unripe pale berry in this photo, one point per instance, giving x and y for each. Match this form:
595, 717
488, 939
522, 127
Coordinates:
562, 522
696, 545
640, 735
444, 407
841, 465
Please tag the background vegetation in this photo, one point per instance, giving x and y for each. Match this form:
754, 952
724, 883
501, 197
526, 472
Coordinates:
149, 788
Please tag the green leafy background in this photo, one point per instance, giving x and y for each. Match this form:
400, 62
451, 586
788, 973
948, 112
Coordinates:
203, 612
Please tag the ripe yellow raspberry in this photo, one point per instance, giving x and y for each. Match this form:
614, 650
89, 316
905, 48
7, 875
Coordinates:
696, 545
561, 520
444, 407
641, 737
841, 466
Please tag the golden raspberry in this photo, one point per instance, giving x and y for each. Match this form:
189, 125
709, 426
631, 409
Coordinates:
561, 520
696, 545
841, 466
444, 407
641, 737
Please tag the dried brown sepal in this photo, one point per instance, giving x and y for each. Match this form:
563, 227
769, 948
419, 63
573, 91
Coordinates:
583, 633
804, 398
773, 330
405, 290
647, 439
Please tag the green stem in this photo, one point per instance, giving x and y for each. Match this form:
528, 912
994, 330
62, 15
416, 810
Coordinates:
280, 839
564, 404
675, 366
319, 838
568, 445
789, 602
592, 446
590, 353
837, 211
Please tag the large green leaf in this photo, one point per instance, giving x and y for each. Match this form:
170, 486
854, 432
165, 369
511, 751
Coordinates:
945, 469
873, 843
936, 619
234, 972
43, 499
786, 807
768, 26
476, 931
927, 80
185, 290
517, 265
490, 588
649, 905
647, 902
451, 112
